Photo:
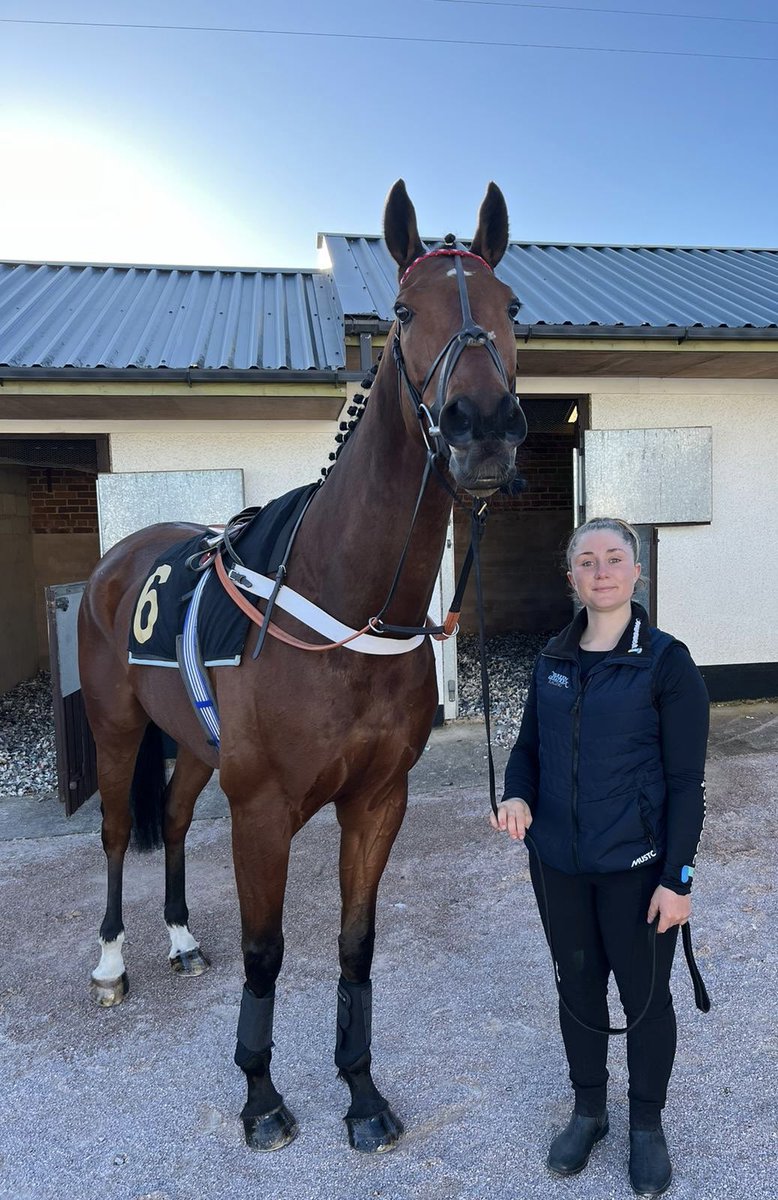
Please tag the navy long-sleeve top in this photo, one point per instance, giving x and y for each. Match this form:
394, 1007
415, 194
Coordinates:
683, 705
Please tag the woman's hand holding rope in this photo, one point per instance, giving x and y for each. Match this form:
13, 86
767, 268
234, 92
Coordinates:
671, 908
513, 817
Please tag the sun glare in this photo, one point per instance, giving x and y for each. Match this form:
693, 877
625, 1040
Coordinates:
75, 195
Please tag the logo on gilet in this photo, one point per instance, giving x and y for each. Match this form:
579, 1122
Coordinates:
644, 858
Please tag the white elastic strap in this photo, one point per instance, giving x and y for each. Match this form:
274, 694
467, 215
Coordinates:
315, 617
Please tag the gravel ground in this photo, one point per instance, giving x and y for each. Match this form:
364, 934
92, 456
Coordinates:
27, 755
141, 1102
510, 658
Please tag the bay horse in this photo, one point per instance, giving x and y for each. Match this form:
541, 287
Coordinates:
301, 730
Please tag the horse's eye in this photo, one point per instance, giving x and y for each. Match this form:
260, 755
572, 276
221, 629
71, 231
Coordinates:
403, 313
513, 309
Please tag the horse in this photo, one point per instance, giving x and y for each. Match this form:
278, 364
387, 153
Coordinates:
301, 730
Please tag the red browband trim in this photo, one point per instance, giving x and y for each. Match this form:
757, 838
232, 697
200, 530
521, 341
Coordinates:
443, 254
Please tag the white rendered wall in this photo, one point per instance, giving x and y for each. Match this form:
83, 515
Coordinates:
274, 459
717, 583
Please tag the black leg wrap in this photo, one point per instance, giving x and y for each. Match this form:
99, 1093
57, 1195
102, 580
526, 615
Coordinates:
355, 1020
372, 1126
255, 1030
267, 1122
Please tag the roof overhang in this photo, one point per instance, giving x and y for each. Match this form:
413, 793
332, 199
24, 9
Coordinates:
693, 353
66, 375
39, 394
566, 350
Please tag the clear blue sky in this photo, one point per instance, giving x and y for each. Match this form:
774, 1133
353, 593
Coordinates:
175, 146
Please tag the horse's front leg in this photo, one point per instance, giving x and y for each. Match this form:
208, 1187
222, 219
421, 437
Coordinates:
261, 839
367, 836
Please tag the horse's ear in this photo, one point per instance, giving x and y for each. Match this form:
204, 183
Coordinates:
400, 230
491, 236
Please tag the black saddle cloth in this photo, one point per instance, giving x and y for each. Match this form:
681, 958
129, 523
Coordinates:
222, 627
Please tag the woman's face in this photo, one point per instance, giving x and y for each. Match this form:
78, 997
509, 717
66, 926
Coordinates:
603, 571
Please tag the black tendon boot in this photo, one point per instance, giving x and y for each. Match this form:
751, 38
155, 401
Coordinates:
650, 1169
570, 1149
267, 1122
372, 1126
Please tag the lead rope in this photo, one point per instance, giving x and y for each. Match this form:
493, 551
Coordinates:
701, 998
376, 622
478, 524
610, 1030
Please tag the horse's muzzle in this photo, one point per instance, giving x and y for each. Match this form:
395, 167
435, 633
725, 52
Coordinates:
483, 441
464, 420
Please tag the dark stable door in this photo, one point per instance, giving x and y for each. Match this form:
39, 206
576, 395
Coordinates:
76, 758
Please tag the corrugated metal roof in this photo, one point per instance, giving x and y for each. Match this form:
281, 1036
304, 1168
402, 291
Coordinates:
166, 317
606, 286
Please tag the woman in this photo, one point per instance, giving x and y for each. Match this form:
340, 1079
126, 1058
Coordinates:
607, 771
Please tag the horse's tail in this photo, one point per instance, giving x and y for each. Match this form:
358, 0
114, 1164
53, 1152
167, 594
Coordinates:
147, 791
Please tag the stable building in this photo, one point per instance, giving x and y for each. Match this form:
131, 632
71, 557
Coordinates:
131, 394
649, 376
650, 380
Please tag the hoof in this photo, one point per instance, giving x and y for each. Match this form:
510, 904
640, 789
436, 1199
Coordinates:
272, 1131
190, 962
374, 1135
107, 992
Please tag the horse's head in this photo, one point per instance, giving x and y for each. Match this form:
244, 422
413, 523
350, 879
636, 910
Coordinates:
454, 342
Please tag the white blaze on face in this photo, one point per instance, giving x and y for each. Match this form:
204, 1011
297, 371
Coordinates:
181, 940
453, 271
111, 964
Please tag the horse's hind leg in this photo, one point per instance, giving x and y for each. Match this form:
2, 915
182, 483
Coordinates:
188, 780
367, 836
117, 750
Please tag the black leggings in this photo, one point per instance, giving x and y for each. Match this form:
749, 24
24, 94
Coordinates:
598, 925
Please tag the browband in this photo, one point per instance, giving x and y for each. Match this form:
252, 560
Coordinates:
441, 254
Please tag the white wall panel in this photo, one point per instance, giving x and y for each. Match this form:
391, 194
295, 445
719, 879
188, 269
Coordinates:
717, 583
273, 461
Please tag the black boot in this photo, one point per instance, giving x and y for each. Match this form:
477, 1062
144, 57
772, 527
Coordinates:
650, 1169
570, 1149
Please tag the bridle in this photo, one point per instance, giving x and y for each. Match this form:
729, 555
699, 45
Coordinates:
470, 334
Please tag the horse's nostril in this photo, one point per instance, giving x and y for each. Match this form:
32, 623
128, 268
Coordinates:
455, 424
515, 422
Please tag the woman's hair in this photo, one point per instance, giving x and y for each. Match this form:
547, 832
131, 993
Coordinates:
628, 534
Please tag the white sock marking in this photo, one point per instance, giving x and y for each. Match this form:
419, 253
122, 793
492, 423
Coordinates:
181, 940
111, 964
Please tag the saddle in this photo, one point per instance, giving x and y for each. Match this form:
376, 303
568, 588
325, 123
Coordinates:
260, 537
